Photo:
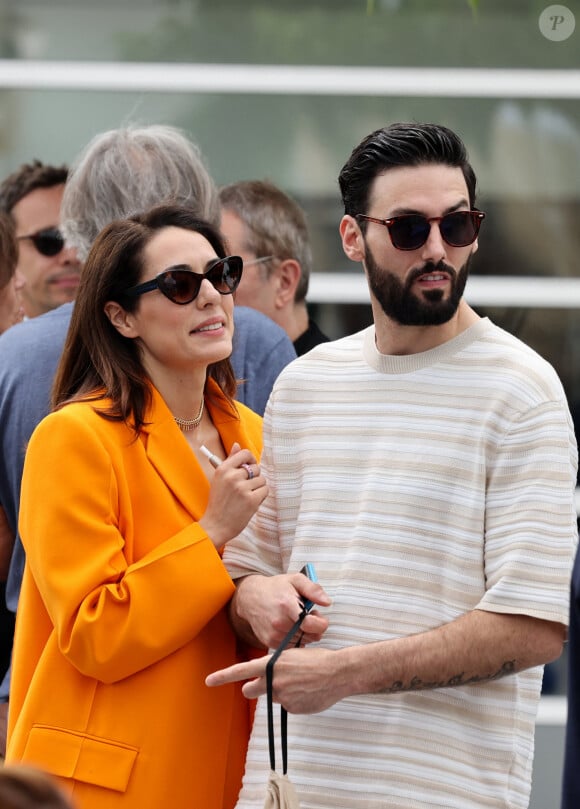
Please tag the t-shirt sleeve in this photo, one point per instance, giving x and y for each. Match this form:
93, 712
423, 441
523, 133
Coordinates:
530, 531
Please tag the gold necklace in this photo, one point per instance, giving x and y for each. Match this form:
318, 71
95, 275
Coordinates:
191, 424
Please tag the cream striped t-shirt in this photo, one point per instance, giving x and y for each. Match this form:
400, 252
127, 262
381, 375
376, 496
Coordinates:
421, 487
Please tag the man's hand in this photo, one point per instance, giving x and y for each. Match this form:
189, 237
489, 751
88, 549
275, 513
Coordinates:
305, 680
264, 608
3, 727
474, 648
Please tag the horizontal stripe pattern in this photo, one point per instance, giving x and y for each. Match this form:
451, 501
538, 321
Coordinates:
421, 487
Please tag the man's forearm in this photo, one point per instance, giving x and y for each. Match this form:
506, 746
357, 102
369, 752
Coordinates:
475, 648
478, 647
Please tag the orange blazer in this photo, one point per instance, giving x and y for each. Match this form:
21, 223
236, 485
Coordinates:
122, 615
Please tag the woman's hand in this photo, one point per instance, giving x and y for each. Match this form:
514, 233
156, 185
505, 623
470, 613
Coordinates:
237, 490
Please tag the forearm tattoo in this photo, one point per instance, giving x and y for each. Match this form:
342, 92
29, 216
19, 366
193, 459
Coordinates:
417, 684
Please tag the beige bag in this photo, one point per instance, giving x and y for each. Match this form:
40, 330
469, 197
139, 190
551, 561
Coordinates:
280, 793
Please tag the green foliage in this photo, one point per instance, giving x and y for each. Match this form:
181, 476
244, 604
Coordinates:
371, 6
382, 33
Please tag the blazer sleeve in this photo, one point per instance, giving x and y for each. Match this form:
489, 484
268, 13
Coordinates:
112, 618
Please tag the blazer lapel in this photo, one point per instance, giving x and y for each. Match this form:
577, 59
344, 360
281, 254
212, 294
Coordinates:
172, 457
229, 425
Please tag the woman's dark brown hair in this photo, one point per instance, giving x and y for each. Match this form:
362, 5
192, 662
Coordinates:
97, 361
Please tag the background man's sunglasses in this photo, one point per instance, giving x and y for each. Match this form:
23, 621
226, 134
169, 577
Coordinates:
411, 231
181, 284
48, 242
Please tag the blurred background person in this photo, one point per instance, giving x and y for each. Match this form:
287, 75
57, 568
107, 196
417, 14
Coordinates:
268, 229
124, 595
570, 774
30, 788
11, 312
32, 196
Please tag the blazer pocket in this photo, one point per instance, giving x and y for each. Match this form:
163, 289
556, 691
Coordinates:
85, 758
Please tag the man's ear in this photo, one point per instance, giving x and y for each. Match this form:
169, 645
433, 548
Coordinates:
352, 238
122, 320
287, 274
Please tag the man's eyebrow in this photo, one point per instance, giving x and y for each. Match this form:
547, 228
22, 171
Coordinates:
413, 211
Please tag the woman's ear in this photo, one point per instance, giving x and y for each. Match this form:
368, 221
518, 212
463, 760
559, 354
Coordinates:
352, 238
122, 320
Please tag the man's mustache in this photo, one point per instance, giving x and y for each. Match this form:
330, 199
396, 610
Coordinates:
431, 267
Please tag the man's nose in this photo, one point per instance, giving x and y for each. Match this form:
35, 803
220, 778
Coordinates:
68, 255
434, 248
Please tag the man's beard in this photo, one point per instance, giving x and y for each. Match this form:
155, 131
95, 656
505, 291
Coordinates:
400, 304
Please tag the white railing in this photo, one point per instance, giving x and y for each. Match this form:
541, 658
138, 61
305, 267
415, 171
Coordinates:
552, 710
488, 290
290, 79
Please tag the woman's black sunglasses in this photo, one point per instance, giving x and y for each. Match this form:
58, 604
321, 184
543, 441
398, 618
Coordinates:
48, 242
411, 231
181, 284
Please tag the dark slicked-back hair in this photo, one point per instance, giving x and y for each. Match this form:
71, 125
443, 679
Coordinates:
97, 361
28, 178
396, 146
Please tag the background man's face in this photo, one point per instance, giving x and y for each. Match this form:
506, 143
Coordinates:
256, 289
50, 280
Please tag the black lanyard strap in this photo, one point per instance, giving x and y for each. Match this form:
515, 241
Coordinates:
283, 712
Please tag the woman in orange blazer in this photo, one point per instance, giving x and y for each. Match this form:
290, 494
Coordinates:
123, 609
